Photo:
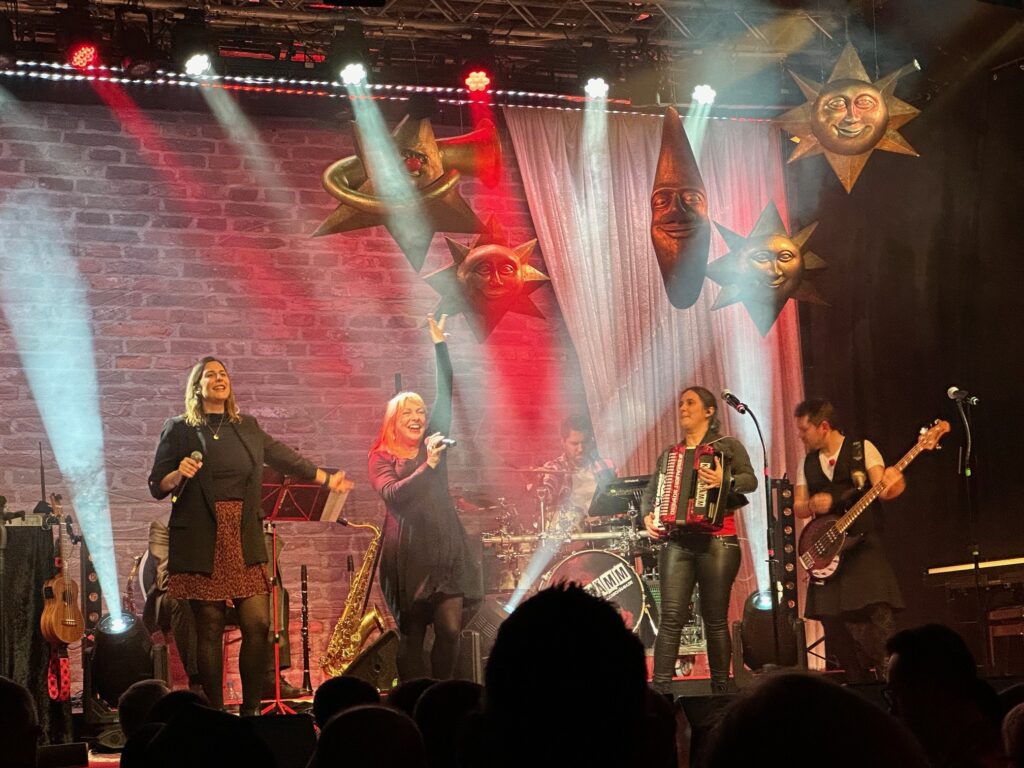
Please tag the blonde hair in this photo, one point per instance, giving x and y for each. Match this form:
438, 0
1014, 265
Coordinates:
387, 439
195, 416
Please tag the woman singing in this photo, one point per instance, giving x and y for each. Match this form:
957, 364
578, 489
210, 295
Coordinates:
212, 458
689, 555
424, 568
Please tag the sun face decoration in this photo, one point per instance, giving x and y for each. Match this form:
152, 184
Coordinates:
849, 117
765, 269
434, 168
487, 280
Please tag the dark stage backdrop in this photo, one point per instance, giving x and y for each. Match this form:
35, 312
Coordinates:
924, 280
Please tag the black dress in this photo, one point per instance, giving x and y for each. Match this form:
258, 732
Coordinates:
424, 552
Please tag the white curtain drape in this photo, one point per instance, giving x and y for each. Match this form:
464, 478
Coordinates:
588, 179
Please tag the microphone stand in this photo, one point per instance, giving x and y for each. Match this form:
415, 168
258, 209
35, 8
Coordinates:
975, 548
773, 563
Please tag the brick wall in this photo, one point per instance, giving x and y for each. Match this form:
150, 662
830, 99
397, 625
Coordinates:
191, 242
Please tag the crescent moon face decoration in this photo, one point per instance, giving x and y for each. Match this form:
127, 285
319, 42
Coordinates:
765, 269
487, 279
848, 117
434, 167
680, 229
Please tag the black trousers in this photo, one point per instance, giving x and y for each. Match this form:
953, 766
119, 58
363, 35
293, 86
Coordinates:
711, 562
855, 641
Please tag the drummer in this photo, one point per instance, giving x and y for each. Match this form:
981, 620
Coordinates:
573, 479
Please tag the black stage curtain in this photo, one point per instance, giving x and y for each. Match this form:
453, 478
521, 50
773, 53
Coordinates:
925, 280
28, 563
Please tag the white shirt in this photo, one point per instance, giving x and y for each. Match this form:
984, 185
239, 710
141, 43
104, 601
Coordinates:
872, 458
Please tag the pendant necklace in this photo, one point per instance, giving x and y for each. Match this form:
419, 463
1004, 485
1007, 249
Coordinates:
216, 435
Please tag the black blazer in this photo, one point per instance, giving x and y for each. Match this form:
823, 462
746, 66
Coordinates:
193, 523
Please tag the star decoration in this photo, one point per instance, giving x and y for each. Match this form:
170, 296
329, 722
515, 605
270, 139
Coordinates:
475, 286
810, 121
765, 269
436, 207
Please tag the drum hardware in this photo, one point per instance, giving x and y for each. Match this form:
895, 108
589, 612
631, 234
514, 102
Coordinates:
605, 575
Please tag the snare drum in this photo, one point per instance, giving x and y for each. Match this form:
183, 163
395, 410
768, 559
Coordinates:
605, 575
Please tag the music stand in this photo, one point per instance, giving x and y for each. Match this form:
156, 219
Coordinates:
282, 497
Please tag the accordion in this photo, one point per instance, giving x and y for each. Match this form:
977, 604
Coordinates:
682, 499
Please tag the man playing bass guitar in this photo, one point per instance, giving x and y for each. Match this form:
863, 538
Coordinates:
855, 604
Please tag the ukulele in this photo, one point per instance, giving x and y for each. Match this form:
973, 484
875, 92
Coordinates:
61, 622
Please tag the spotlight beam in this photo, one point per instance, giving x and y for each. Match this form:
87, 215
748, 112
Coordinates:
46, 305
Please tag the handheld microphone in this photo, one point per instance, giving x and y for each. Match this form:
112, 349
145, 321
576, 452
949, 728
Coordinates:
195, 456
733, 401
448, 442
955, 393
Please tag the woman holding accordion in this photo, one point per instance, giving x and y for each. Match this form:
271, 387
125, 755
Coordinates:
702, 553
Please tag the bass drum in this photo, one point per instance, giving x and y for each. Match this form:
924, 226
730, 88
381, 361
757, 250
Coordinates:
605, 575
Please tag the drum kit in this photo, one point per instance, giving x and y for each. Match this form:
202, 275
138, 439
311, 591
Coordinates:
606, 550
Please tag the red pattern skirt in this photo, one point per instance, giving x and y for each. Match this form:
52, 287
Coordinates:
231, 576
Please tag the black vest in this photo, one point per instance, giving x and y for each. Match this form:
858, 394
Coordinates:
844, 485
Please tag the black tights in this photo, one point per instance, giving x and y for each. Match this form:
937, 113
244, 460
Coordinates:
712, 562
445, 613
254, 622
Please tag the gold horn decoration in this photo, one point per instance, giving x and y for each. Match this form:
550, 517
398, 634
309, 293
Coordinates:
477, 153
435, 168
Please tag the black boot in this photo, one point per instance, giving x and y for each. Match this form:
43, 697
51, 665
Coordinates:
288, 691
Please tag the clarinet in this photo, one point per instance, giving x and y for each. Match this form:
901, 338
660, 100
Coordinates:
307, 685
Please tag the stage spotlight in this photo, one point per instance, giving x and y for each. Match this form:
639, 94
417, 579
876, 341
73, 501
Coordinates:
478, 81
596, 88
477, 62
597, 67
347, 51
7, 57
83, 55
198, 64
354, 74
193, 45
704, 95
133, 41
766, 638
76, 36
122, 655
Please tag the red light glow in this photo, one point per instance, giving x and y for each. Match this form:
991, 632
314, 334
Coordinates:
478, 81
83, 56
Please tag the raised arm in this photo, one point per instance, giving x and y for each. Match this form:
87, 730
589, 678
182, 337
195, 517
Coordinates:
441, 411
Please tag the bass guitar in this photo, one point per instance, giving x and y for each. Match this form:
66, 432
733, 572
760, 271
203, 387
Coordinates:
62, 622
824, 538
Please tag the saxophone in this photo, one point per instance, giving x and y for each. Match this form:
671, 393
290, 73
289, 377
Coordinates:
354, 627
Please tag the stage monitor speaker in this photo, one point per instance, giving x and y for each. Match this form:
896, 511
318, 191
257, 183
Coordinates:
72, 755
486, 622
471, 661
378, 663
292, 738
702, 712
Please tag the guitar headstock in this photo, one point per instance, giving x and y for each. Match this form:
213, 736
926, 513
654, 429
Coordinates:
55, 500
930, 436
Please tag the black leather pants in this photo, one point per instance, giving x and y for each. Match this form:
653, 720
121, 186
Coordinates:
711, 562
